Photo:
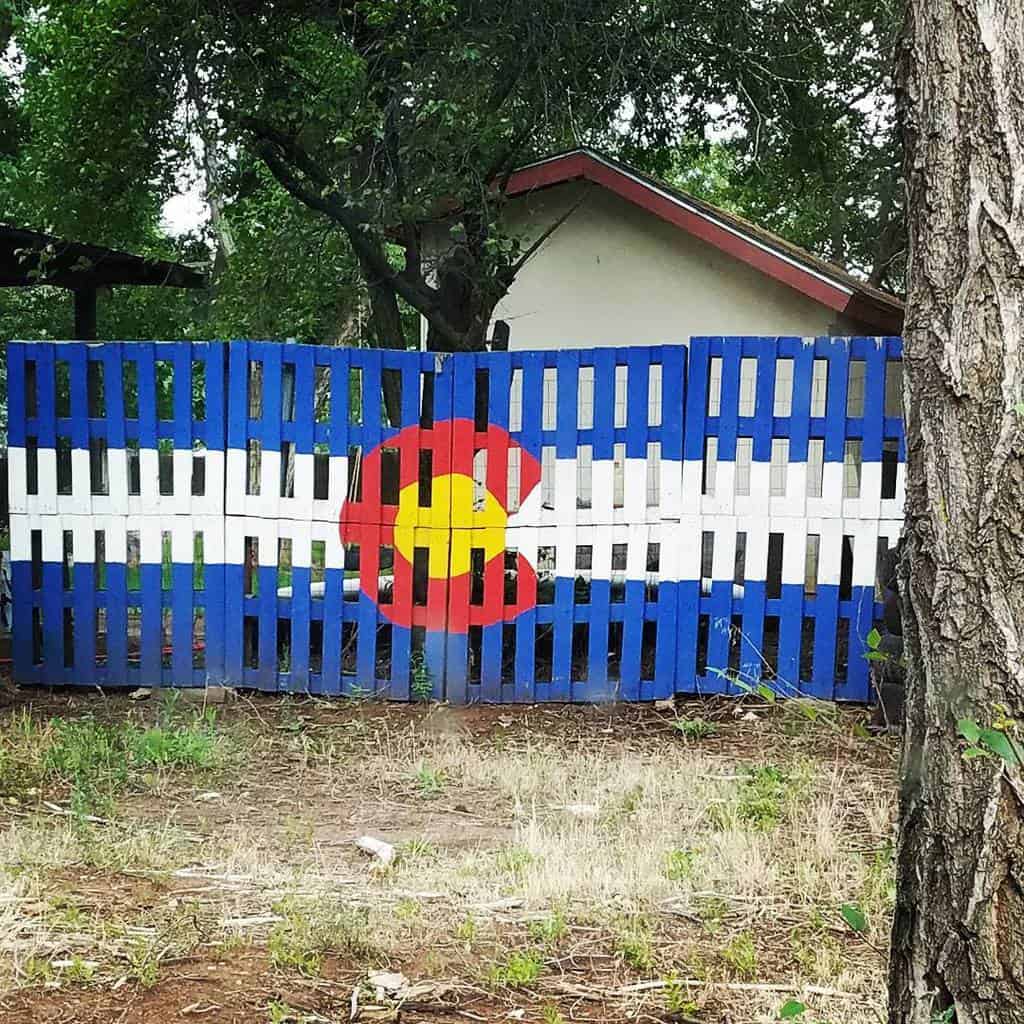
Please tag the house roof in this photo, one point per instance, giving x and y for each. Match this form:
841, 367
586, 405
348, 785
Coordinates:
32, 258
816, 278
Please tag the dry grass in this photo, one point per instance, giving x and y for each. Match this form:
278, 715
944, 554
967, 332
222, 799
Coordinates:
545, 860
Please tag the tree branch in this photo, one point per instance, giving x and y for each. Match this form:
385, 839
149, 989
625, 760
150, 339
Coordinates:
508, 275
283, 156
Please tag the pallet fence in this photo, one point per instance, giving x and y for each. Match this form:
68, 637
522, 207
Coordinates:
574, 525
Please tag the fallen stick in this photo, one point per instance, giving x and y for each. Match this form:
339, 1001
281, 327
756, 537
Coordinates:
732, 986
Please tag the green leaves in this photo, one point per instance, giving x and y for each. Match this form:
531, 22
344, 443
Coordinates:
791, 1009
854, 917
990, 742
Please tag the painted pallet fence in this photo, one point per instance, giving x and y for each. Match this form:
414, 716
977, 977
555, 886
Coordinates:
573, 525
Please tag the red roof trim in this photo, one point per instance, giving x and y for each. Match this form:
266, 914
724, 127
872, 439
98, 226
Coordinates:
836, 295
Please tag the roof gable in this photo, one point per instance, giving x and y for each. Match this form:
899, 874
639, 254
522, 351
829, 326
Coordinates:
773, 256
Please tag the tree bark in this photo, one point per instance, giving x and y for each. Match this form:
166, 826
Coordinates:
958, 934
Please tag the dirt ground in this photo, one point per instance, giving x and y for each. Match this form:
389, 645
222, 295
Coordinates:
553, 864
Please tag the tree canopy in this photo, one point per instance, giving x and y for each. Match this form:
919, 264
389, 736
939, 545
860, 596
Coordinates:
332, 136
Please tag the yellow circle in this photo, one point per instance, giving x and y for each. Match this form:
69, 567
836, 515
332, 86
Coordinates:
456, 521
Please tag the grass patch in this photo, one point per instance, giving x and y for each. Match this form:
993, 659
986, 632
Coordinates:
96, 761
309, 931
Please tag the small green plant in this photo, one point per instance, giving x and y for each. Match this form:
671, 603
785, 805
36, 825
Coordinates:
695, 728
633, 944
791, 1009
712, 913
677, 998
514, 860
308, 931
945, 1016
144, 961
290, 950
741, 955
520, 970
429, 780
466, 930
996, 741
680, 864
37, 971
761, 796
407, 909
552, 1015
421, 684
282, 1013
550, 930
417, 851
78, 971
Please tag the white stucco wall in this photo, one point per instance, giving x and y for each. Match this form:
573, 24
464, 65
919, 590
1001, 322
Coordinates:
614, 274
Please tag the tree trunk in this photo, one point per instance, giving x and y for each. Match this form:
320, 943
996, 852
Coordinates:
958, 934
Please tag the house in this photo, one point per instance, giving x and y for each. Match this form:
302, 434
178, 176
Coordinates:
637, 262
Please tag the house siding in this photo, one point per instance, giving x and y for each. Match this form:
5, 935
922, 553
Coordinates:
614, 274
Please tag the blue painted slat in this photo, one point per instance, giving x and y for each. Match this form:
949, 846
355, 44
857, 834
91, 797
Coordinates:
673, 388
874, 401
728, 418
46, 383
215, 622
638, 362
630, 673
604, 404
858, 683
826, 623
234, 612
800, 410
238, 389
687, 612
151, 639
719, 612
266, 672
752, 625
181, 604
16, 416
696, 399
22, 604
837, 353
75, 354
597, 687
181, 360
665, 650
145, 354
112, 358
300, 614
790, 626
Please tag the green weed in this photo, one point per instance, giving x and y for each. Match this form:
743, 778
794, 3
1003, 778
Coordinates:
429, 780
741, 955
633, 944
694, 728
762, 794
680, 864
520, 970
144, 961
466, 930
552, 1015
421, 684
514, 860
309, 931
677, 998
37, 971
550, 930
